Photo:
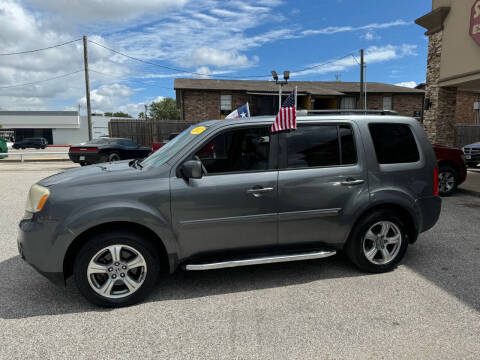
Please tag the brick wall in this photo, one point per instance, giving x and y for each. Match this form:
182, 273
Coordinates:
205, 105
464, 113
403, 104
201, 105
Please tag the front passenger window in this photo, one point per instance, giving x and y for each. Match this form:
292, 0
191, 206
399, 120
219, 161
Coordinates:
239, 150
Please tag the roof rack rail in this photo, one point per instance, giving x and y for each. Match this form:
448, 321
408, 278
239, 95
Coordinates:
345, 112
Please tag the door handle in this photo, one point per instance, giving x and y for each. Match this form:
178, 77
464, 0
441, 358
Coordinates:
351, 181
258, 191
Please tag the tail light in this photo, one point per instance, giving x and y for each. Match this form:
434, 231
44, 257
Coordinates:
435, 181
83, 149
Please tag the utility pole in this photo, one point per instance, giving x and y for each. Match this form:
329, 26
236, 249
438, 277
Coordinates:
87, 87
362, 106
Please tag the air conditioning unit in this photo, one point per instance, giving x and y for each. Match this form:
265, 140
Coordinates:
476, 105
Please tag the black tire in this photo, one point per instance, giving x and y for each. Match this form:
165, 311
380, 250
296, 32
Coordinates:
102, 240
354, 248
444, 173
83, 163
113, 157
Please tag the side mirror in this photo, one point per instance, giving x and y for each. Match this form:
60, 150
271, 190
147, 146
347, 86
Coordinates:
192, 169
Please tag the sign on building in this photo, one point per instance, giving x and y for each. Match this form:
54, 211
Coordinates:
475, 22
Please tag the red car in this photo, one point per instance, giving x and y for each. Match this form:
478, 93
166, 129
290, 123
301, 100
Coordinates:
452, 170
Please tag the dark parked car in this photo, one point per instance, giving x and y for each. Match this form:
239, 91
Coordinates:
452, 169
36, 143
231, 193
472, 154
105, 149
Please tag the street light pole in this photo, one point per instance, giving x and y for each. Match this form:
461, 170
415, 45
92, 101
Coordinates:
286, 76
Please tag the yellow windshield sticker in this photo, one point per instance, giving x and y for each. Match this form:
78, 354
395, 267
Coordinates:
198, 130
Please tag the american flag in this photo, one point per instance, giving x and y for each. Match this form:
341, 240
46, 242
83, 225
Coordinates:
287, 116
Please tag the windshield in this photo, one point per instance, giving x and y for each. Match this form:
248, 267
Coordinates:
162, 155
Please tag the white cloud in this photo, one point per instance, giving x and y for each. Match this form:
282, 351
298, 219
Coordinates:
370, 36
339, 29
409, 84
220, 58
107, 10
373, 54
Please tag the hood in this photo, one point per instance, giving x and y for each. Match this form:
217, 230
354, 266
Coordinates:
93, 174
477, 144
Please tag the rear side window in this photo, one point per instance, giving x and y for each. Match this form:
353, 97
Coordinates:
394, 143
320, 145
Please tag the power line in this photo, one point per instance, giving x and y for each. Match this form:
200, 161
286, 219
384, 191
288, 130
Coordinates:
213, 75
171, 68
41, 49
123, 79
41, 81
324, 63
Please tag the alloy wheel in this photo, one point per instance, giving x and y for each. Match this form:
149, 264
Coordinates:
382, 242
446, 182
116, 271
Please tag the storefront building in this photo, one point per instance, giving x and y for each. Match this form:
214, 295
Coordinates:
452, 92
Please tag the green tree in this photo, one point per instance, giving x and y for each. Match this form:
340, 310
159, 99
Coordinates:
117, 114
165, 109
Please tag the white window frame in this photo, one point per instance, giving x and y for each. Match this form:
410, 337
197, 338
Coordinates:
390, 107
226, 103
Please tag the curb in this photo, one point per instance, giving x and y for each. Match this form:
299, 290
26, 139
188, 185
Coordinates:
469, 192
31, 160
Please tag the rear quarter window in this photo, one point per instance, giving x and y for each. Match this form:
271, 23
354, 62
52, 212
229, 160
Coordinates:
394, 143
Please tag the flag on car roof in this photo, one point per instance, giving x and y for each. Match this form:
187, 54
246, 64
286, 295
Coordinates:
241, 112
286, 118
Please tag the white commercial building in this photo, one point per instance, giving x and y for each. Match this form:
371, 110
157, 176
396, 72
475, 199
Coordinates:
58, 127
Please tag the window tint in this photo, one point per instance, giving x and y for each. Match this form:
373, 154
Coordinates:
313, 145
237, 150
349, 153
126, 142
394, 143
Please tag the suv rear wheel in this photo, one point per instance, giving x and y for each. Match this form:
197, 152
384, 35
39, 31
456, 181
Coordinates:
116, 269
378, 242
447, 180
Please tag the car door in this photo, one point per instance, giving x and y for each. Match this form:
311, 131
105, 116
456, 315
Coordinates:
233, 207
322, 183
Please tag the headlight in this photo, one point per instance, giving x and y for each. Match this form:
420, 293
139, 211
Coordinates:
37, 197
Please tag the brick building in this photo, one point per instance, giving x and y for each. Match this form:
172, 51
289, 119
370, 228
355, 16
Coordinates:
207, 99
452, 92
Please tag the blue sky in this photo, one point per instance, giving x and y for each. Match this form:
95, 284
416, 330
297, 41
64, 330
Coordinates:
228, 39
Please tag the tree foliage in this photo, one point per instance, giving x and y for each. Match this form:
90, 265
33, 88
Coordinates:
117, 114
166, 109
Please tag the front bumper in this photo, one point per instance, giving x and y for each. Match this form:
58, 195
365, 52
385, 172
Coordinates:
35, 247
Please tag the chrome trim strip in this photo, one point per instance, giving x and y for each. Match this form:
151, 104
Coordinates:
258, 217
265, 217
309, 213
261, 260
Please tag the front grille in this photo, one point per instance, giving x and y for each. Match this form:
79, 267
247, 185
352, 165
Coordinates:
472, 151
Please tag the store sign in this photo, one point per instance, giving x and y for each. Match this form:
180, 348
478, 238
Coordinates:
475, 22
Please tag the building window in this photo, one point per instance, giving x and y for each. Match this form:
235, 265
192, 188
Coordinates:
225, 104
348, 102
387, 103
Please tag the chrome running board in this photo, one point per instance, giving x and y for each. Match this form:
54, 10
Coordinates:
262, 260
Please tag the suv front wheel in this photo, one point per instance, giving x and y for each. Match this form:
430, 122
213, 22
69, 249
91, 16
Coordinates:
378, 242
115, 269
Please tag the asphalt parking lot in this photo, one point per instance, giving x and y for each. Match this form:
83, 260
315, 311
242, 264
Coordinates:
428, 308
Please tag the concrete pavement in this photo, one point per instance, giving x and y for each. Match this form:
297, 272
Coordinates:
428, 308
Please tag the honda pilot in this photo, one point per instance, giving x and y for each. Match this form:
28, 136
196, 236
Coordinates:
230, 193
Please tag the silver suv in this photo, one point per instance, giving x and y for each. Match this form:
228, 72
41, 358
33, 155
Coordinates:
230, 193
